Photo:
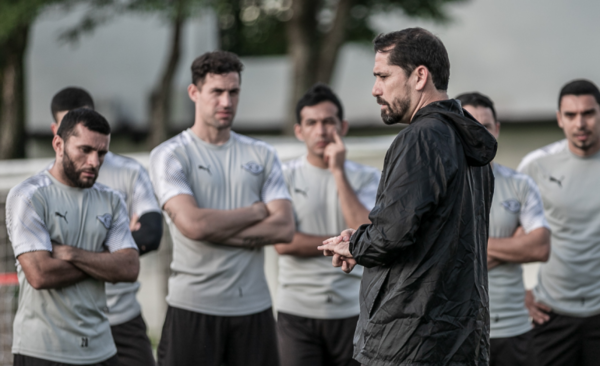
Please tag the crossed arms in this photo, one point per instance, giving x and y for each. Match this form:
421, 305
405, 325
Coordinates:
67, 265
249, 227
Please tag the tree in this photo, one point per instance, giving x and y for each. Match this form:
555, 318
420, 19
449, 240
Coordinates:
311, 32
16, 17
176, 13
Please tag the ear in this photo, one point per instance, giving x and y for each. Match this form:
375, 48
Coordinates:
193, 92
58, 145
422, 76
54, 128
559, 119
345, 128
298, 131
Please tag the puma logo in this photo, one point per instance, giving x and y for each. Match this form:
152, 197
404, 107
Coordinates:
206, 168
62, 216
557, 181
299, 191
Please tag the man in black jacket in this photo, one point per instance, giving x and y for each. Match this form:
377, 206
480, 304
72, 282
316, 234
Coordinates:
424, 293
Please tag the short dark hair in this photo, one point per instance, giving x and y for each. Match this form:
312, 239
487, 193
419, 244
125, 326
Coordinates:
414, 47
217, 62
90, 119
316, 94
70, 98
476, 99
579, 87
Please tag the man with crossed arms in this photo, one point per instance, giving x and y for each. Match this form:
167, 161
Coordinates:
69, 236
225, 198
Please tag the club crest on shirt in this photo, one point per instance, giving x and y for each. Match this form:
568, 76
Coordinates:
253, 168
513, 206
105, 219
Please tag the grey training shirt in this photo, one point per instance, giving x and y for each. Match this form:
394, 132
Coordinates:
131, 181
207, 277
516, 202
570, 281
67, 324
312, 287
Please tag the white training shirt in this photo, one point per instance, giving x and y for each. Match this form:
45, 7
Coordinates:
517, 202
569, 282
207, 277
312, 287
68, 324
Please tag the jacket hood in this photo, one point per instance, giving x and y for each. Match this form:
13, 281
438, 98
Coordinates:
478, 144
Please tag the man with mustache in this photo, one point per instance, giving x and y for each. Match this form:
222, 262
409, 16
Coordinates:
317, 304
130, 179
424, 295
565, 304
69, 236
225, 198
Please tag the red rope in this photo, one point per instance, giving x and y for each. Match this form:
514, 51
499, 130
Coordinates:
8, 279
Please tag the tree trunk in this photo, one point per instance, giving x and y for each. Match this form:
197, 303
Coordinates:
313, 55
303, 51
161, 96
12, 94
332, 42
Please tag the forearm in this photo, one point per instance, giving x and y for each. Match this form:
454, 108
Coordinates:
213, 225
355, 214
56, 273
303, 245
120, 266
532, 247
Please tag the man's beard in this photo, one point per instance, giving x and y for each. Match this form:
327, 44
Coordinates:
396, 111
74, 175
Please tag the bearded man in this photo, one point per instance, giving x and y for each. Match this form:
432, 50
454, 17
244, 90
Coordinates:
424, 295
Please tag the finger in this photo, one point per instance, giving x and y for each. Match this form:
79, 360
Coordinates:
337, 138
336, 261
543, 307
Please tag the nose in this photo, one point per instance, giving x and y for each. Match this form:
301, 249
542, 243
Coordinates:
225, 100
580, 121
93, 159
321, 128
376, 91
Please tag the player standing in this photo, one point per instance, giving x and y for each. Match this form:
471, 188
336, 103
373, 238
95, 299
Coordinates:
70, 236
566, 308
130, 179
318, 304
518, 234
225, 198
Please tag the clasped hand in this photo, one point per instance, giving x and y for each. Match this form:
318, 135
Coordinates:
338, 247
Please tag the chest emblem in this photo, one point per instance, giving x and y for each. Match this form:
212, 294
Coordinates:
62, 216
105, 219
557, 181
253, 168
302, 192
513, 206
206, 168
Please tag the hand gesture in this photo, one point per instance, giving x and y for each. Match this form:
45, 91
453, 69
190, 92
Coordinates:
339, 248
335, 153
537, 311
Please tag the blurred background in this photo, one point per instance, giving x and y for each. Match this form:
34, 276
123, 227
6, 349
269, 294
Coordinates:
134, 56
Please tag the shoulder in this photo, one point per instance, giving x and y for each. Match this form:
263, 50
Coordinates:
365, 171
252, 143
522, 182
546, 151
292, 165
107, 193
122, 162
171, 146
28, 188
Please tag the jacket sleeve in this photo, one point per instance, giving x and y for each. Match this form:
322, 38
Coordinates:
418, 169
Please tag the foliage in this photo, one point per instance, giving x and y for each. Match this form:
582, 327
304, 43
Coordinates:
257, 27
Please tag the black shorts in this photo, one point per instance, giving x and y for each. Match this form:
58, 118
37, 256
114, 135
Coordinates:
315, 342
511, 351
21, 360
567, 340
192, 339
133, 344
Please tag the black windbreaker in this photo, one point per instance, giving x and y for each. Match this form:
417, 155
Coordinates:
424, 292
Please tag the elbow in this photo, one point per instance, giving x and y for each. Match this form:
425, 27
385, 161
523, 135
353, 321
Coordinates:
282, 248
36, 281
544, 253
130, 270
196, 231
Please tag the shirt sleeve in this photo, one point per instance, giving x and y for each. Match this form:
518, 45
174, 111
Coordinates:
26, 229
119, 236
532, 212
275, 187
368, 192
168, 176
143, 199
